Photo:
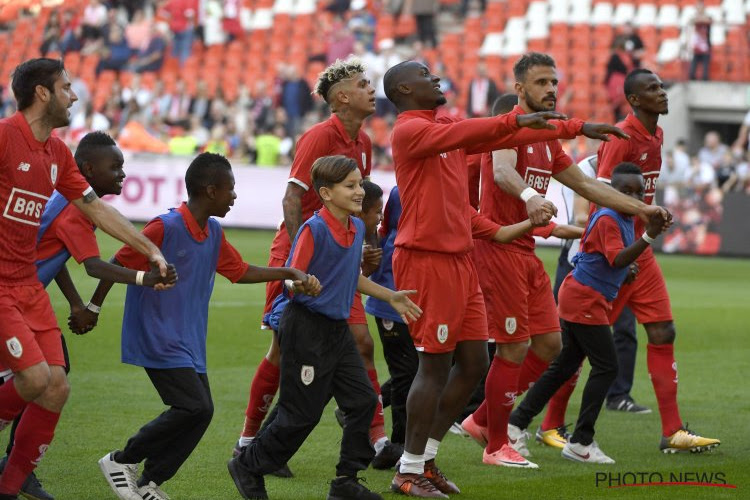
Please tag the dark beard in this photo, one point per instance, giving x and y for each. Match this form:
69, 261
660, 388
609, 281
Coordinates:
534, 105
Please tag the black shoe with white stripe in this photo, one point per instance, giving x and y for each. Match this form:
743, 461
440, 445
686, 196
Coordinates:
627, 405
121, 477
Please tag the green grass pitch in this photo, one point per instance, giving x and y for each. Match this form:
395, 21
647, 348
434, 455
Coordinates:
110, 401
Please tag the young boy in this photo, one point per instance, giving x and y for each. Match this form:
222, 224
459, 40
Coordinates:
165, 332
319, 357
608, 247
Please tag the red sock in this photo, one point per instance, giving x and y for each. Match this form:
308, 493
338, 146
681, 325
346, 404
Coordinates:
11, 403
480, 415
262, 390
555, 416
662, 368
33, 436
377, 427
500, 393
531, 369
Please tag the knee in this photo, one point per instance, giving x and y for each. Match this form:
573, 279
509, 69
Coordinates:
661, 333
199, 412
33, 382
547, 347
515, 352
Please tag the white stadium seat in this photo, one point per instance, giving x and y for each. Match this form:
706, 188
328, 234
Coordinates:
645, 15
580, 12
262, 19
686, 15
303, 7
560, 10
602, 13
283, 6
669, 15
669, 50
492, 45
624, 12
515, 37
734, 11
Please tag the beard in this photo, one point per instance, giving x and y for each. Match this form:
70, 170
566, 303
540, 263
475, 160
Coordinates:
537, 106
57, 114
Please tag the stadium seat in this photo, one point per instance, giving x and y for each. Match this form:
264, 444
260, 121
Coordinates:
262, 19
669, 50
580, 12
624, 13
645, 15
669, 15
602, 13
734, 11
559, 11
686, 14
492, 45
283, 6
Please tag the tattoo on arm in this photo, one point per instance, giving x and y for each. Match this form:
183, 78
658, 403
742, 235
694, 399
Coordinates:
89, 197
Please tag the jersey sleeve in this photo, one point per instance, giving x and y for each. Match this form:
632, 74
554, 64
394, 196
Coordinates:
544, 231
606, 239
71, 184
131, 259
564, 129
76, 232
561, 160
482, 228
303, 250
610, 155
311, 146
230, 264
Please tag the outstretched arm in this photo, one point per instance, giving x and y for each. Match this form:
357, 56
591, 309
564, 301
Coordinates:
399, 300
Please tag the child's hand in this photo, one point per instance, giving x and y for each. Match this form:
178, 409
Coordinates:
408, 310
154, 279
306, 283
658, 222
632, 273
371, 258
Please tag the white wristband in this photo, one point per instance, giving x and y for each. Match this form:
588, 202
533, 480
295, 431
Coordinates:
528, 193
139, 277
289, 284
93, 308
648, 239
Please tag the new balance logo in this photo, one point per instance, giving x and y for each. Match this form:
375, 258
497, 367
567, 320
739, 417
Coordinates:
23, 166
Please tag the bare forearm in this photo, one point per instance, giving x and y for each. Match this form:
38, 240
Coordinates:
97, 268
606, 196
68, 289
509, 181
506, 234
368, 287
292, 215
628, 255
103, 288
256, 274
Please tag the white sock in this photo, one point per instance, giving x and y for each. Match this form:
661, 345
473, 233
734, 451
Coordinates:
244, 441
411, 464
380, 444
431, 449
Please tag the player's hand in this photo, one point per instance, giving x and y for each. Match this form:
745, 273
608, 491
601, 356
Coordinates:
632, 275
657, 213
408, 310
306, 283
154, 279
539, 120
371, 258
158, 260
540, 210
602, 131
82, 320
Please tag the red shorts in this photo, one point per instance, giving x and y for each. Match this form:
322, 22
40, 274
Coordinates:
357, 314
28, 328
517, 293
647, 296
448, 292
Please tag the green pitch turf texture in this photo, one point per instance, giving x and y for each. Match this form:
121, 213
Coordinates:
110, 401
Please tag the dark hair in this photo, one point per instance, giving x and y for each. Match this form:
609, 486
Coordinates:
504, 104
632, 77
392, 79
373, 192
204, 171
27, 75
626, 168
523, 65
91, 142
330, 170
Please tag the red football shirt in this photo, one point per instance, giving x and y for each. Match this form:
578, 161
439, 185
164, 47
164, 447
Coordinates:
29, 171
71, 230
230, 263
430, 158
580, 303
535, 163
644, 150
474, 167
324, 139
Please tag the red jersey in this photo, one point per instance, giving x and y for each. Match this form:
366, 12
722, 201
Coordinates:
535, 163
474, 167
430, 158
580, 303
644, 150
324, 139
29, 171
71, 230
230, 263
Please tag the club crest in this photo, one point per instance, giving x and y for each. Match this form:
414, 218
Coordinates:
307, 374
442, 333
14, 347
510, 325
53, 173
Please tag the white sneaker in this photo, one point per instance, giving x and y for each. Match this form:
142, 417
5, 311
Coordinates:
121, 477
151, 491
518, 439
590, 454
458, 430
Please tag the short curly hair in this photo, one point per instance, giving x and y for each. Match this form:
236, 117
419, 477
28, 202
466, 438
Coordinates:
337, 72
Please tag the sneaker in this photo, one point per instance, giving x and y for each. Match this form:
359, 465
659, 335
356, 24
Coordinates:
627, 405
518, 439
350, 488
283, 472
686, 440
151, 491
340, 417
8, 497
415, 485
250, 486
458, 430
589, 454
121, 477
555, 438
507, 457
32, 487
388, 456
475, 431
437, 478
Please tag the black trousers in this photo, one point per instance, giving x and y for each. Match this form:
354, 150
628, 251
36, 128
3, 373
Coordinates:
579, 341
402, 360
319, 360
168, 440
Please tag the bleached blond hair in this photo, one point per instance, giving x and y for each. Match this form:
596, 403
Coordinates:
336, 73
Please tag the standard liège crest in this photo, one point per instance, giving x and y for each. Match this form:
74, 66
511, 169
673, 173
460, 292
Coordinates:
442, 333
15, 348
388, 324
307, 374
53, 173
510, 325
549, 154
364, 161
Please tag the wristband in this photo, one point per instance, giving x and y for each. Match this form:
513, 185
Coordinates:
648, 239
93, 308
528, 193
139, 277
289, 284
